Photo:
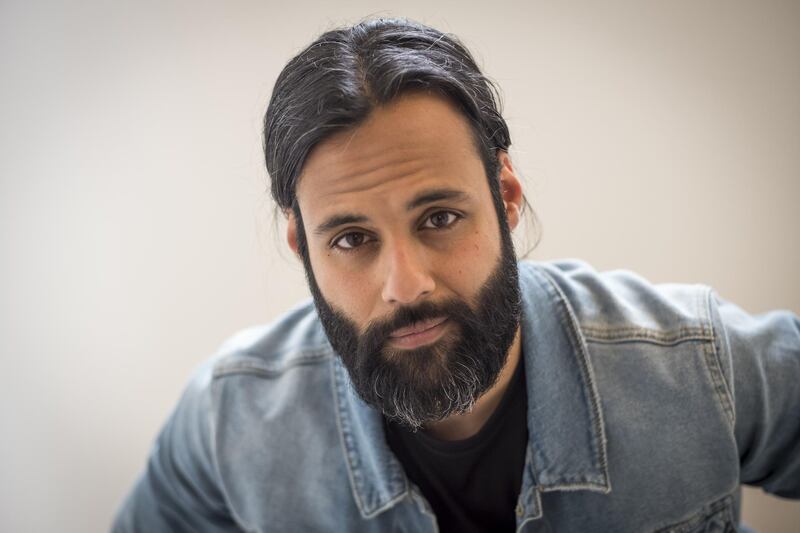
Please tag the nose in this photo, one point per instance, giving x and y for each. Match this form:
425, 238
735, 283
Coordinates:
407, 276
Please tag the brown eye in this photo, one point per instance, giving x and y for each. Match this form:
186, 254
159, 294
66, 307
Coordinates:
350, 240
440, 220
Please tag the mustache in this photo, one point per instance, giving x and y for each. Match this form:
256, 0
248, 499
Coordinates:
378, 332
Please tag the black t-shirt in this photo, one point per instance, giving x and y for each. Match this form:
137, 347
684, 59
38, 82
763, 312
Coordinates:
472, 484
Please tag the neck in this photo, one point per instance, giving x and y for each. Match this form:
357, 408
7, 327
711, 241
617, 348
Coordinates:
463, 426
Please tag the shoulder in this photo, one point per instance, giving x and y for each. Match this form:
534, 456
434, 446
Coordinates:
622, 305
265, 366
663, 336
261, 367
259, 381
294, 339
651, 355
265, 408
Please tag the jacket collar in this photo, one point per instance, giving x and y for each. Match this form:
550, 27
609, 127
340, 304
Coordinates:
567, 439
567, 442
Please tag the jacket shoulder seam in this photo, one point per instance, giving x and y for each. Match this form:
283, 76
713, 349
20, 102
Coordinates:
253, 363
669, 337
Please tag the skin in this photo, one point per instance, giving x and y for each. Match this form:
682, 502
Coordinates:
395, 256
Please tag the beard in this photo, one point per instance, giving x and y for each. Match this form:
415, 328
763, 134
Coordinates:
432, 382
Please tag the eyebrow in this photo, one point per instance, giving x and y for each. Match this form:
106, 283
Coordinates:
423, 198
339, 220
435, 195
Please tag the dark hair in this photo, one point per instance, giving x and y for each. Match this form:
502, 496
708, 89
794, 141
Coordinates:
337, 81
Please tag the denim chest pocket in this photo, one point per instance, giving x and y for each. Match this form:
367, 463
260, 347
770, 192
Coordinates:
716, 517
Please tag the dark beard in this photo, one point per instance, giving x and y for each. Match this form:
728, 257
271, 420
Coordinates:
430, 383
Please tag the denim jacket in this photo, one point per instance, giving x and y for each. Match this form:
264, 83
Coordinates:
648, 406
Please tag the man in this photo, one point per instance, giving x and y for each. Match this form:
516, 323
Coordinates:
437, 384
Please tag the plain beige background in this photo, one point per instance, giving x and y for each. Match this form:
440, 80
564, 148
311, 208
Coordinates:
136, 232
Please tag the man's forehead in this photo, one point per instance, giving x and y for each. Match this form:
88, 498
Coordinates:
415, 139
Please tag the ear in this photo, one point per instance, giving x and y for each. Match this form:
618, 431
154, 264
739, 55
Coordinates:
291, 231
510, 189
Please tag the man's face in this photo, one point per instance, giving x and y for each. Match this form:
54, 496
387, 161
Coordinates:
412, 272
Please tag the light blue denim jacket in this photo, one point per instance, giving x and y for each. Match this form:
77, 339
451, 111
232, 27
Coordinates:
648, 406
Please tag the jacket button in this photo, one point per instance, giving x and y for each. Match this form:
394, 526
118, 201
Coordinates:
519, 510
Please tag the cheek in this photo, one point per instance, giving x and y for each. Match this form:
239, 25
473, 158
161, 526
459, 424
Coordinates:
468, 265
344, 285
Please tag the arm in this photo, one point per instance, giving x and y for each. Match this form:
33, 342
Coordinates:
763, 354
180, 488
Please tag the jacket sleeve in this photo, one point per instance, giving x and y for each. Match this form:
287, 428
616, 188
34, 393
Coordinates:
763, 354
180, 488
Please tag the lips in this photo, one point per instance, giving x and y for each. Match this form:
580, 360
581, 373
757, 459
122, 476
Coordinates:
417, 327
